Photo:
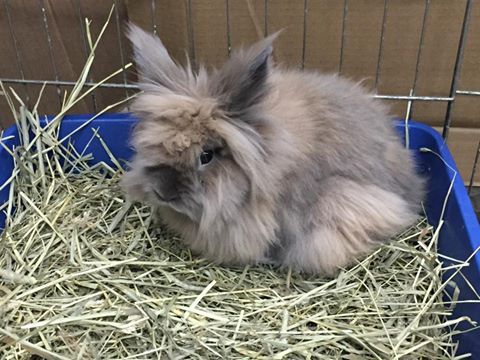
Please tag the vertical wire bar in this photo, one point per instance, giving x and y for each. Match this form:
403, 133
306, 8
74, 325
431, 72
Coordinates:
457, 68
342, 44
419, 53
265, 18
407, 118
191, 35
50, 49
304, 45
229, 40
474, 169
17, 50
120, 45
152, 12
84, 37
380, 46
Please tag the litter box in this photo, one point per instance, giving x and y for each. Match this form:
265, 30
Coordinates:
459, 236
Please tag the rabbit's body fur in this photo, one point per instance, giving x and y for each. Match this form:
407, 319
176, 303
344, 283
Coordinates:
310, 172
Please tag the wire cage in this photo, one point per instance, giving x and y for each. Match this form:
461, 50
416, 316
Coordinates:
36, 37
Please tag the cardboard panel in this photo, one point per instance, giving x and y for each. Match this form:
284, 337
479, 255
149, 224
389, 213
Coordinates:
141, 13
26, 19
400, 46
209, 31
60, 51
168, 18
467, 109
247, 22
323, 35
362, 33
9, 68
442, 33
69, 53
288, 16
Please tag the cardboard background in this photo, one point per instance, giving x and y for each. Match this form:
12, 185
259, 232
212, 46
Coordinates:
207, 29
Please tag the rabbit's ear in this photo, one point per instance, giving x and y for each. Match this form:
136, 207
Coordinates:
154, 64
241, 83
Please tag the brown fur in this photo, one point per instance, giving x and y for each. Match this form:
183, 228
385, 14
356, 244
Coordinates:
307, 170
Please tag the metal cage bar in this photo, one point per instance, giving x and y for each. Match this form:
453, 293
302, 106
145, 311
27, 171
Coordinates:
468, 92
304, 42
380, 46
50, 49
120, 46
67, 83
265, 18
458, 68
18, 56
342, 41
191, 34
152, 14
419, 54
474, 169
227, 15
132, 86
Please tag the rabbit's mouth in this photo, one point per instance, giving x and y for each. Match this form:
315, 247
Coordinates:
178, 204
166, 200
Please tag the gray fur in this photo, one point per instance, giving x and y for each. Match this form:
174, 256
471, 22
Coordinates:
242, 81
309, 172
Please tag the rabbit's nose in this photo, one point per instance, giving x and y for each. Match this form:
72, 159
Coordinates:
166, 182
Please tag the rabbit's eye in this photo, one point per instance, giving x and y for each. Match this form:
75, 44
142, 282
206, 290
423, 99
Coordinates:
206, 156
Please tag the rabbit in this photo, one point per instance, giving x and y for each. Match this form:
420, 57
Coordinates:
255, 164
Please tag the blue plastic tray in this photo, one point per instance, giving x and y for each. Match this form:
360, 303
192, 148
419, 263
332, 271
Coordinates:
459, 236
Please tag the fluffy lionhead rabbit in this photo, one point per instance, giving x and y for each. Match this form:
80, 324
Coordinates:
251, 163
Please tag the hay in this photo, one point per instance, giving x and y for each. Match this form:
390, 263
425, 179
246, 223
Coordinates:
86, 275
